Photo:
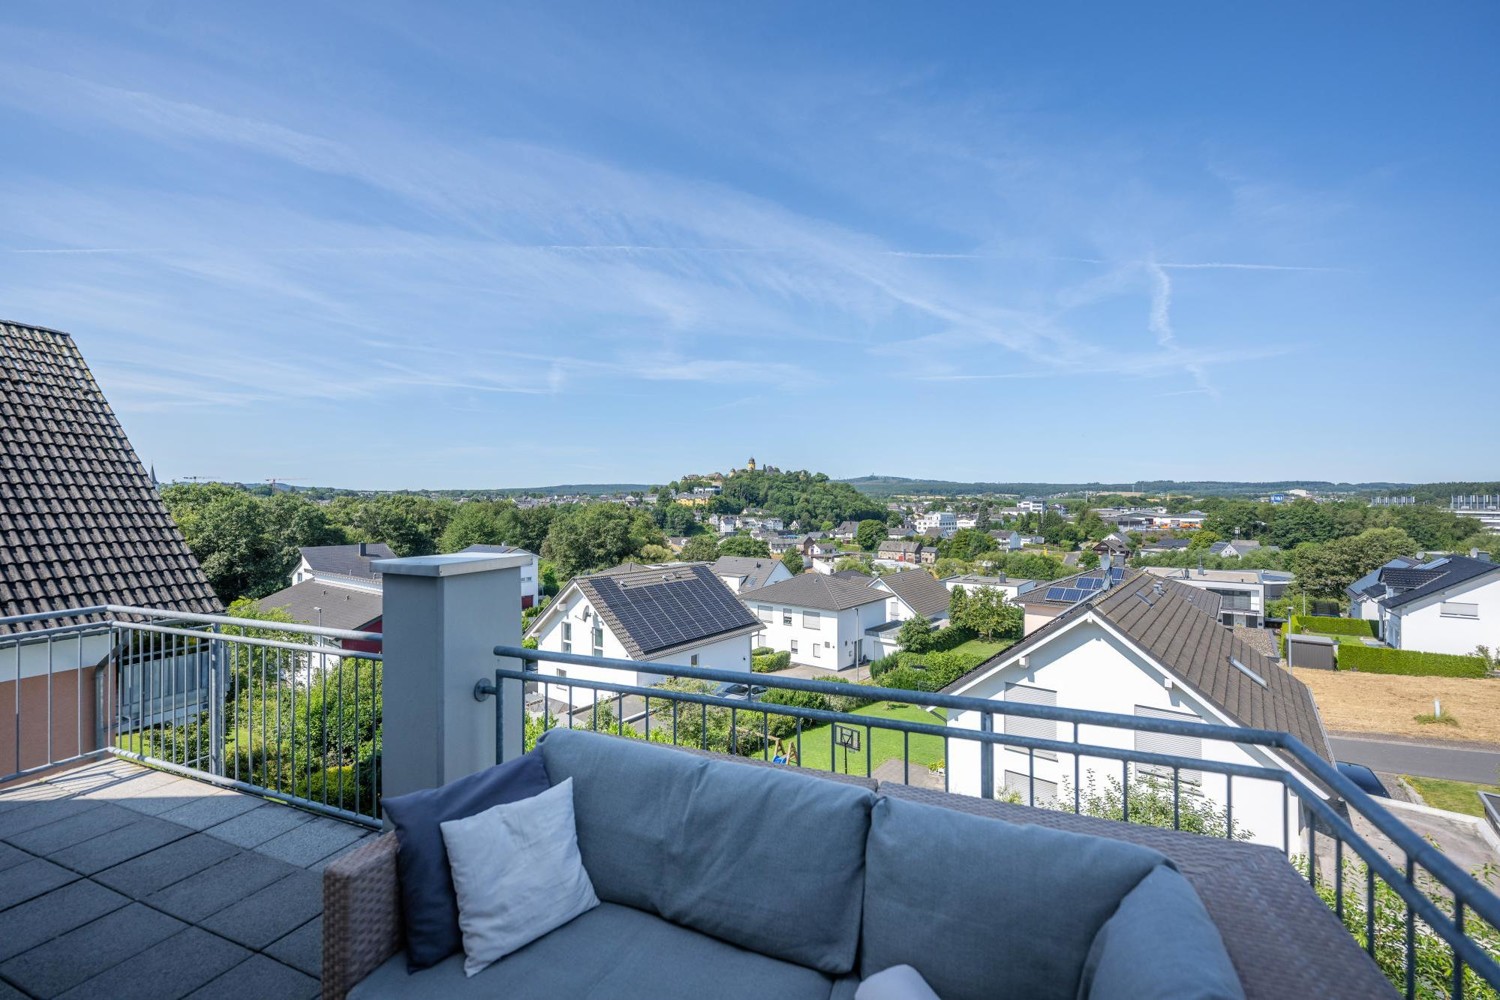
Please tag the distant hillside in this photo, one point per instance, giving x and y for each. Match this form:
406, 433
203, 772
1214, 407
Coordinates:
885, 486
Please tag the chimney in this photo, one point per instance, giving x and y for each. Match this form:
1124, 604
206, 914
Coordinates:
364, 550
1480, 554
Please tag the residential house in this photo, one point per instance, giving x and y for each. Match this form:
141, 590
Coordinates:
1165, 546
680, 614
1010, 541
899, 551
972, 583
1244, 593
531, 572
1151, 648
1366, 593
331, 605
1031, 505
1046, 601
820, 619
824, 557
780, 545
1191, 521
749, 572
81, 525
963, 521
345, 565
1237, 548
943, 522
914, 593
846, 531
1114, 545
929, 556
1447, 605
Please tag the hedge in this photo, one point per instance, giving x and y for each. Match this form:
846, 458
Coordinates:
762, 651
770, 661
923, 671
1380, 660
1335, 626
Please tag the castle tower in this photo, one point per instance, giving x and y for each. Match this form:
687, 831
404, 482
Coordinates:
750, 465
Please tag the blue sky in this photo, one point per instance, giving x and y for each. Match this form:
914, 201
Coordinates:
470, 245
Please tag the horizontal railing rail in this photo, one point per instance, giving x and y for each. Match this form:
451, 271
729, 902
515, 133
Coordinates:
1313, 783
274, 708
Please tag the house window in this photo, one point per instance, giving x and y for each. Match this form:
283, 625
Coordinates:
1177, 746
693, 660
598, 640
1022, 784
786, 616
1042, 729
763, 612
1452, 609
811, 619
794, 645
816, 653
567, 639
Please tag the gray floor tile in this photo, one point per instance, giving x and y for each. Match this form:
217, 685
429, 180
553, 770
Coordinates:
171, 968
260, 977
141, 876
12, 856
271, 913
29, 815
149, 792
30, 879
49, 838
258, 825
9, 992
325, 862
45, 917
147, 833
302, 948
216, 887
211, 810
312, 841
86, 951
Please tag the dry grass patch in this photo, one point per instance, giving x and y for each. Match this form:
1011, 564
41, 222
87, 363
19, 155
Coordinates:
1388, 703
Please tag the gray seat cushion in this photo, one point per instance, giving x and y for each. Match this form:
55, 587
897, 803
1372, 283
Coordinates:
611, 952
763, 858
985, 909
1159, 945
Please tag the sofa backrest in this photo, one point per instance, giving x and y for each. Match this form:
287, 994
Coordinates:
767, 859
983, 908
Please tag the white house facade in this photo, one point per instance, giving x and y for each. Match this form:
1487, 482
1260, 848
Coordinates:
820, 620
1108, 656
1456, 609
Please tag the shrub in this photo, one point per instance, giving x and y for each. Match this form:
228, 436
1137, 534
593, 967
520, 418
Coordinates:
1381, 660
879, 667
1335, 626
770, 661
907, 679
762, 651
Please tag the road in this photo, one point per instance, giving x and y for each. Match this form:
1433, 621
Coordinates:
1423, 759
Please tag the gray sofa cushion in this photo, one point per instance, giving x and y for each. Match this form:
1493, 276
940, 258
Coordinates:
1159, 945
763, 858
611, 952
983, 908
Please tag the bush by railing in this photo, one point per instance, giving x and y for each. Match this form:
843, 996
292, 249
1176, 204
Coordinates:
767, 661
1380, 660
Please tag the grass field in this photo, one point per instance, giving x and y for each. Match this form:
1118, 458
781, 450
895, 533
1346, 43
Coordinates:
1454, 796
1353, 702
982, 648
925, 750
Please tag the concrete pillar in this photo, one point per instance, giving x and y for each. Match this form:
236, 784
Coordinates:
443, 616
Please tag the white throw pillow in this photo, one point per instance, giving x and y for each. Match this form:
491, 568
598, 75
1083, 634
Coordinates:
517, 874
899, 982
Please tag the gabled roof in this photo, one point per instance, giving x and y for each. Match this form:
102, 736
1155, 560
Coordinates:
80, 522
897, 545
1369, 585
919, 591
751, 571
345, 560
1168, 543
1408, 577
655, 609
343, 607
819, 591
1455, 570
1178, 627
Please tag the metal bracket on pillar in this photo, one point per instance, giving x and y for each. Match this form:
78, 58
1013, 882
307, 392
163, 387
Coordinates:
483, 689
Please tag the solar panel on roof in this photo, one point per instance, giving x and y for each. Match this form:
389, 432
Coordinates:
1055, 593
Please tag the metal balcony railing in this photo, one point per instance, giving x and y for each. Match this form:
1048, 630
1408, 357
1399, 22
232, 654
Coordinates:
267, 707
1428, 924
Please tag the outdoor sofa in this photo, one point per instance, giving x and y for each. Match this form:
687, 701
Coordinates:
719, 878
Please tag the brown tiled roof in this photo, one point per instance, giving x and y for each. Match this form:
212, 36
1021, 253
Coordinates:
81, 523
1179, 628
923, 594
822, 592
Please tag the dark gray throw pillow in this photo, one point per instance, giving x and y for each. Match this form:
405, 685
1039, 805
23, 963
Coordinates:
429, 905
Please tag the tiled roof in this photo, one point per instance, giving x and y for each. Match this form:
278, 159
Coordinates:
1178, 627
1454, 571
752, 572
1408, 578
345, 560
80, 522
343, 607
818, 591
654, 609
917, 588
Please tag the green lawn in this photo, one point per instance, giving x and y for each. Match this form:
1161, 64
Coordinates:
985, 649
888, 743
1454, 796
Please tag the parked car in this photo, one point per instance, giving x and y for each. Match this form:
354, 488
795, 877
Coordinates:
1364, 778
746, 692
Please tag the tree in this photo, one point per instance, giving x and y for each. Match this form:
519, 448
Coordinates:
699, 548
475, 523
915, 635
1202, 540
792, 560
409, 524
744, 545
990, 616
1325, 570
870, 534
1053, 527
227, 530
1152, 804
958, 605
654, 553
853, 563
597, 536
967, 544
1089, 559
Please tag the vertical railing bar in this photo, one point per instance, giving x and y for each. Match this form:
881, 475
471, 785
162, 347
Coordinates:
869, 749
986, 758
648, 718
734, 730
356, 738
905, 757
51, 755
765, 735
1370, 909
323, 687
1229, 806
799, 741
1031, 776
1312, 851
1077, 774
1458, 962
500, 714
343, 752
947, 763
1411, 937
1176, 797
620, 713
703, 733
1338, 877
675, 706
1125, 790
1286, 824
78, 701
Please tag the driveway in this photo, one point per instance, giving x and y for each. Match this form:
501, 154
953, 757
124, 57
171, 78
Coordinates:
1424, 759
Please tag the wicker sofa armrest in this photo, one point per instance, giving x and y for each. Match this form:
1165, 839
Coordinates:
361, 914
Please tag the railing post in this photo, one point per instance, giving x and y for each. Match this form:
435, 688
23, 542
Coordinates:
443, 617
987, 758
216, 693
